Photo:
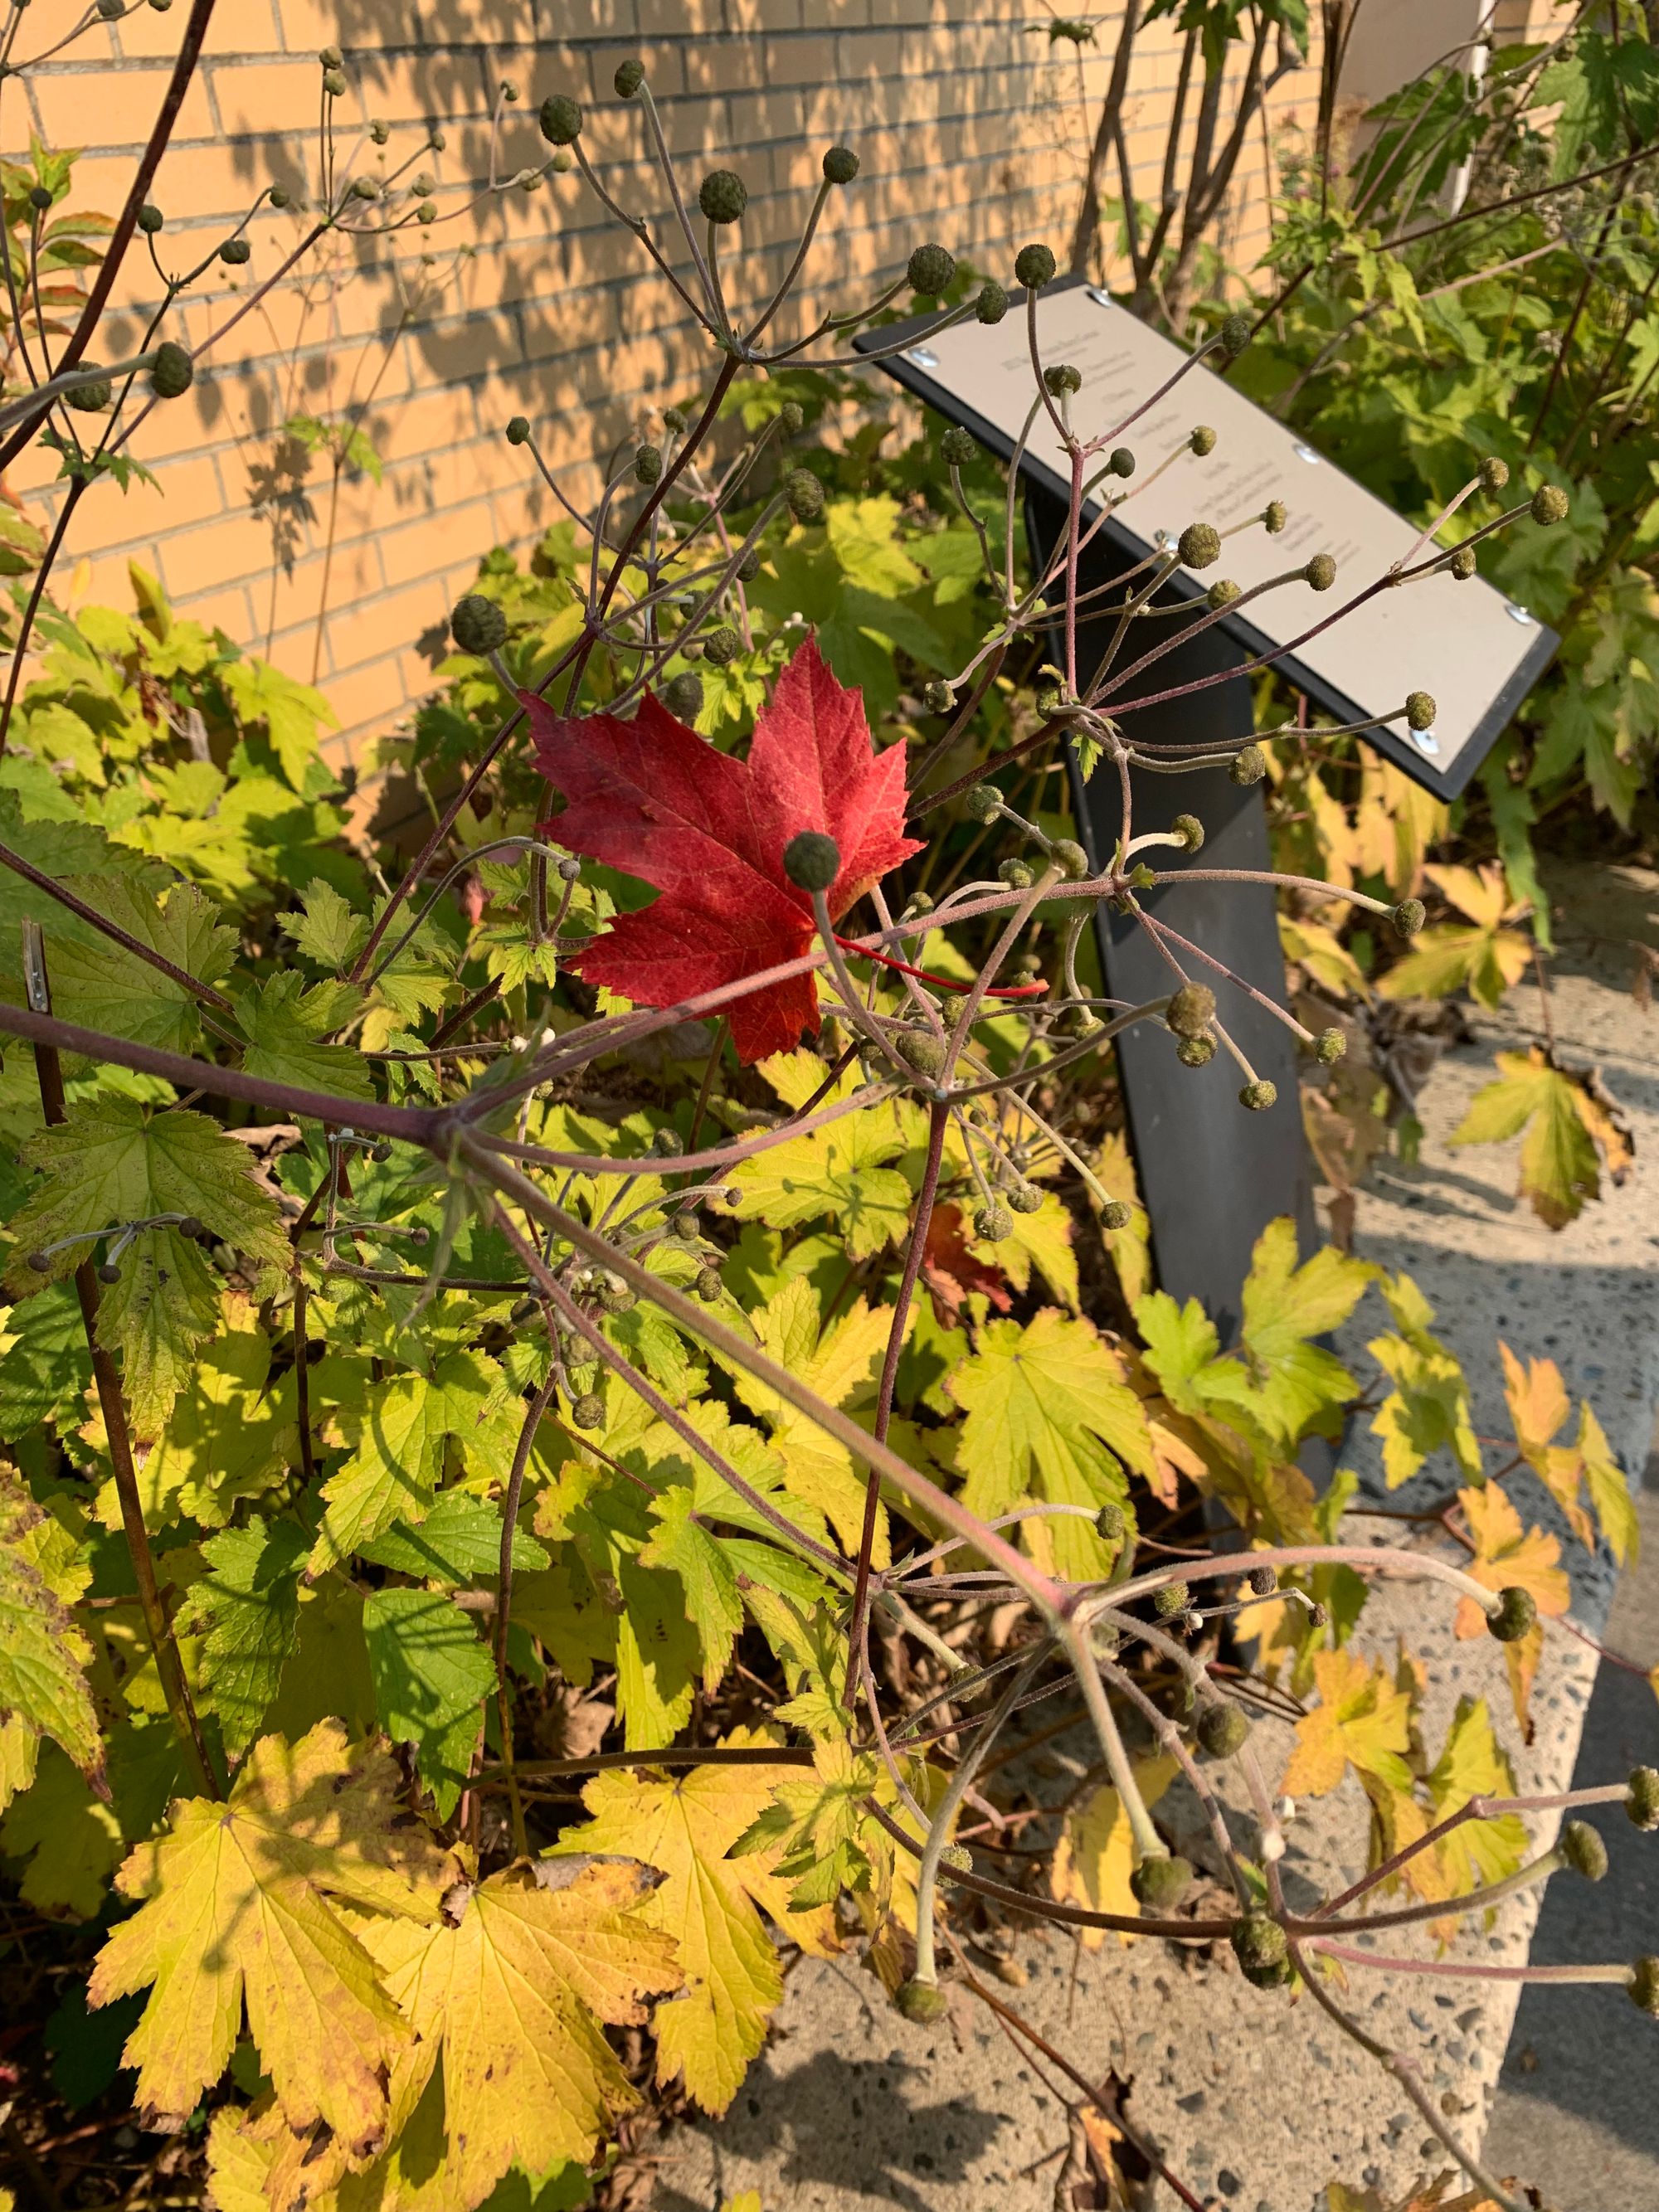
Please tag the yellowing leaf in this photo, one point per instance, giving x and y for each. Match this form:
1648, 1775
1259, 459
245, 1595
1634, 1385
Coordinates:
1609, 1492
1486, 958
837, 1172
1472, 1765
684, 1824
69, 1840
1130, 1246
1538, 1403
235, 1904
398, 1455
1362, 1720
1428, 1409
1286, 1384
507, 1990
1505, 1556
1560, 1171
43, 1687
1095, 1854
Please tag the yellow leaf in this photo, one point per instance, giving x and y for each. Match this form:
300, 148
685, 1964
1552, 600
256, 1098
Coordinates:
746, 2200
1537, 1400
1095, 1856
1506, 1558
1362, 1720
1130, 1247
1609, 1492
43, 1655
508, 1992
684, 1824
237, 1905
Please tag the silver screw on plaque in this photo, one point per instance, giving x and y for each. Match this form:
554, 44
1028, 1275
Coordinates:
1426, 742
1520, 614
923, 357
1307, 453
1100, 298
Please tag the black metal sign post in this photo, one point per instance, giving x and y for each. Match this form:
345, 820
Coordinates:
1213, 1176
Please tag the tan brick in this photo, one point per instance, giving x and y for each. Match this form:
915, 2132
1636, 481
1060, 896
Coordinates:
249, 26
110, 108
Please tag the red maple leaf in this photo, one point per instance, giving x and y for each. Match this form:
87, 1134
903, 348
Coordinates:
654, 798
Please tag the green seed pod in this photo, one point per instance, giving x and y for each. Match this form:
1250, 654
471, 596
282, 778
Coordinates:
1641, 1801
1421, 710
1034, 265
477, 625
1408, 917
1190, 830
1274, 516
723, 195
1235, 336
379, 132
1643, 1986
686, 1226
920, 1049
1202, 441
1549, 504
983, 803
1223, 1729
173, 371
1024, 1197
1494, 474
90, 399
518, 430
331, 57
666, 1145
1321, 572
38, 1263
1198, 545
993, 1223
930, 269
366, 188
957, 1857
841, 165
1517, 1612
436, 140
1195, 1052
39, 199
587, 1411
1016, 875
804, 495
1049, 701
722, 644
423, 185
630, 76
992, 304
707, 1286
1247, 765
682, 695
561, 120
648, 464
1582, 1849
1259, 1096
1462, 564
1262, 1950
234, 252
1110, 1524
1078, 1024
150, 217
334, 83
1160, 1883
618, 1299
791, 418
1222, 593
1171, 1599
937, 697
197, 1230
1062, 378
1191, 1010
1121, 461
426, 212
1330, 1046
109, 1272
278, 195
1071, 859
958, 447
1116, 1215
1264, 1581
812, 860
921, 2002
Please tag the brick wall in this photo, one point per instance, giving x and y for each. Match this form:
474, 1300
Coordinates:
967, 124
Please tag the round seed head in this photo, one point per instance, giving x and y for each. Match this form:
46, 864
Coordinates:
957, 1857
1202, 441
1462, 563
722, 644
38, 1263
334, 83
1421, 710
1582, 1849
937, 696
518, 430
958, 447
1121, 461
1195, 1052
685, 1224
1321, 572
379, 132
1116, 1215
723, 195
173, 371
1049, 701
665, 1144
921, 2002
1076, 1022
707, 1286
1549, 504
1191, 1010
930, 269
1329, 1046
1199, 544
1034, 265
1247, 765
366, 188
1160, 1883
675, 420
1016, 875
1110, 1524
630, 76
477, 625
648, 464
587, 1411
1494, 473
1264, 1581
1171, 1599
109, 1272
1641, 1801
682, 695
1222, 593
1223, 1730
1024, 1198
150, 217
749, 567
983, 803
1062, 378
1235, 336
1274, 516
812, 860
437, 140
331, 57
426, 212
1190, 830
234, 252
1517, 1612
90, 399
1261, 1948
1408, 917
993, 1223
992, 304
39, 199
1072, 859
804, 495
841, 165
920, 1049
561, 120
1259, 1096
790, 418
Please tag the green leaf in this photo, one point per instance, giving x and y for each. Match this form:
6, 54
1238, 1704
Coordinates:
246, 1614
708, 1576
282, 1024
430, 1674
43, 1655
459, 1541
1428, 1409
1284, 1383
45, 1368
1181, 1343
71, 1841
1559, 1170
835, 1172
291, 712
230, 1435
324, 927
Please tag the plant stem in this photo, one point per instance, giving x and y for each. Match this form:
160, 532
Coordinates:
538, 1406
